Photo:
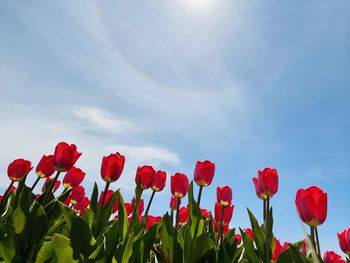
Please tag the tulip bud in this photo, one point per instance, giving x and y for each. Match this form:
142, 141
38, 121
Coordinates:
73, 178
238, 238
224, 195
77, 194
45, 166
159, 180
179, 185
332, 257
107, 198
152, 220
205, 213
204, 173
266, 183
344, 241
183, 215
311, 204
83, 204
217, 226
174, 202
112, 167
278, 249
144, 176
250, 233
18, 169
49, 180
128, 208
140, 207
228, 212
65, 156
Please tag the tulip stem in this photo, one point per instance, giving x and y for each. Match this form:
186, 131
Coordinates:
104, 194
264, 210
318, 242
149, 204
220, 225
51, 186
312, 235
7, 190
199, 195
35, 183
177, 213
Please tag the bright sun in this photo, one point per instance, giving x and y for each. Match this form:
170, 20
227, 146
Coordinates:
200, 5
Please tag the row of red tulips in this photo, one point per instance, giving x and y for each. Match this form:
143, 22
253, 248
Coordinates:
311, 203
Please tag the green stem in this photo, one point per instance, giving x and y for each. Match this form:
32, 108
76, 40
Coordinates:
149, 204
312, 235
35, 183
177, 213
264, 210
103, 198
199, 195
220, 225
268, 231
7, 190
318, 242
51, 186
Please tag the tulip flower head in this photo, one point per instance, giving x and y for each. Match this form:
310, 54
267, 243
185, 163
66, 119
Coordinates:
107, 198
112, 167
45, 166
141, 206
55, 187
250, 233
311, 204
83, 204
18, 169
332, 257
266, 183
179, 185
344, 241
144, 176
224, 195
278, 249
65, 156
205, 213
228, 212
204, 173
174, 202
77, 194
73, 178
159, 181
183, 215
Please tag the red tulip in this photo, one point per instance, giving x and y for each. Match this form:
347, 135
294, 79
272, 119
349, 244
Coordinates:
141, 206
204, 173
106, 201
238, 239
65, 156
144, 176
332, 257
159, 180
152, 220
303, 248
278, 249
344, 241
83, 204
112, 167
224, 228
45, 166
266, 183
228, 212
311, 204
224, 195
77, 194
173, 202
205, 213
128, 208
179, 185
183, 215
48, 180
18, 169
73, 178
250, 233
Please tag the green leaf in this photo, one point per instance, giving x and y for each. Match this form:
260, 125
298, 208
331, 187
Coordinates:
19, 220
68, 213
122, 217
259, 237
63, 250
196, 217
202, 245
93, 200
46, 253
249, 248
7, 242
81, 237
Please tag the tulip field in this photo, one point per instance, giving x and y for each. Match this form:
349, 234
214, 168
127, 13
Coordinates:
59, 223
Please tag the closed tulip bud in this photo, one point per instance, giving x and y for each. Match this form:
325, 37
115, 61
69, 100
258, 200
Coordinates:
238, 238
107, 199
228, 212
73, 178
141, 206
217, 226
183, 215
204, 173
303, 248
144, 176
112, 167
332, 257
48, 180
344, 241
311, 204
224, 195
45, 166
83, 204
65, 156
205, 213
179, 185
250, 233
128, 208
159, 180
152, 220
266, 183
77, 194
174, 202
18, 169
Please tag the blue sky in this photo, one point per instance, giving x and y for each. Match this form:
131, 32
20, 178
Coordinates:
246, 84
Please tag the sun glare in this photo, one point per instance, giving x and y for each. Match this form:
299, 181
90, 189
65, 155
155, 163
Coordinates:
200, 5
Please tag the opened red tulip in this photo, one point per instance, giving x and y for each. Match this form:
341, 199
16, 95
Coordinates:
65, 156
224, 195
183, 215
48, 180
332, 257
205, 213
77, 194
45, 166
228, 212
204, 173
112, 167
266, 183
152, 220
107, 198
18, 169
311, 204
174, 202
144, 176
73, 178
159, 180
344, 241
179, 185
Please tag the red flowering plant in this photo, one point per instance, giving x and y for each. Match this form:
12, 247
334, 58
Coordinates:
72, 226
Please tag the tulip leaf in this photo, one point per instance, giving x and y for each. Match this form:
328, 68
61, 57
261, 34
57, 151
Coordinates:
81, 237
259, 237
46, 253
7, 242
249, 248
195, 214
63, 250
122, 217
68, 213
93, 200
19, 220
202, 245
292, 254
